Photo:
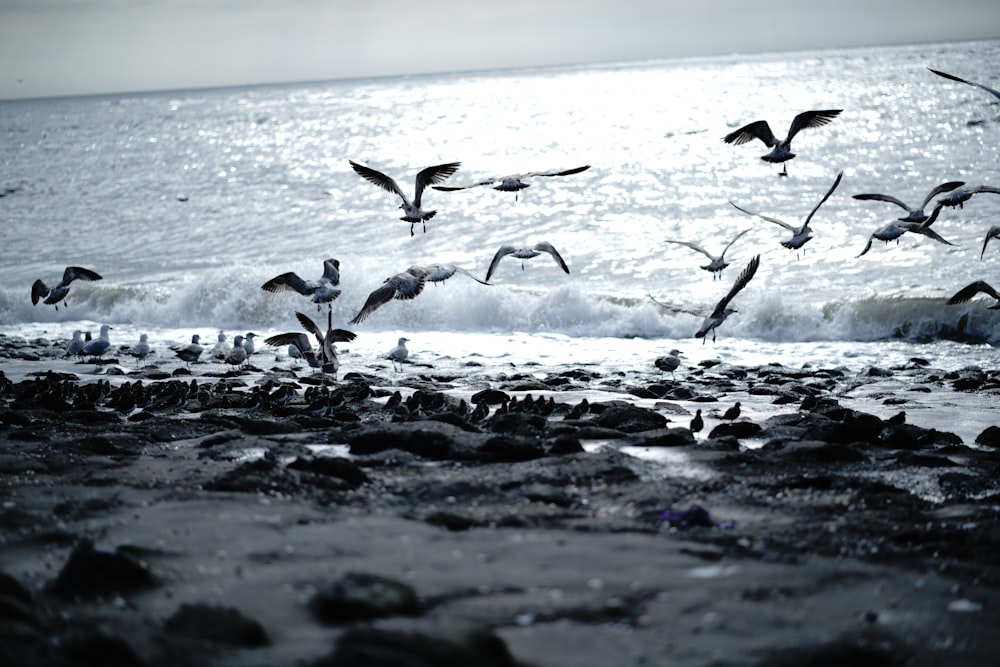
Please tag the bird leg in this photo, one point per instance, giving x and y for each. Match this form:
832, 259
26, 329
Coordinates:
411, 229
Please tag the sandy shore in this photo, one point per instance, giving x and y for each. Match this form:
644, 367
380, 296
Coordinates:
254, 517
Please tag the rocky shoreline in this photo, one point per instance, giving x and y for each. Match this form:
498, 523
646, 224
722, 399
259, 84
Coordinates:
262, 517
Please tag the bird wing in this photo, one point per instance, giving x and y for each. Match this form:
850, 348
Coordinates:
735, 239
814, 118
453, 188
756, 130
995, 93
400, 286
829, 192
868, 246
930, 233
341, 335
309, 325
764, 217
971, 290
886, 198
299, 340
38, 291
556, 172
500, 254
78, 272
944, 187
378, 178
431, 175
693, 246
993, 233
288, 282
741, 282
331, 271
543, 246
675, 309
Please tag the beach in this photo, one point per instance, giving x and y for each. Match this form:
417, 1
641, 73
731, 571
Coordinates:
165, 513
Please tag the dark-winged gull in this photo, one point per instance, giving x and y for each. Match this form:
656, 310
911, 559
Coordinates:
513, 182
190, 352
669, 362
398, 354
800, 235
716, 262
523, 254
959, 196
991, 233
722, 309
780, 150
412, 213
992, 91
323, 290
897, 228
99, 345
912, 214
237, 355
971, 290
53, 295
408, 284
326, 360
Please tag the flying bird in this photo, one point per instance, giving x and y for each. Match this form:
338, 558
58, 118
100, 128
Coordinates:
992, 233
323, 290
781, 151
523, 254
959, 196
912, 214
326, 360
800, 235
971, 290
53, 295
716, 263
408, 284
897, 228
412, 212
514, 182
995, 93
722, 309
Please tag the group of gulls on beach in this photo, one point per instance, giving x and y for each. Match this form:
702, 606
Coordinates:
409, 283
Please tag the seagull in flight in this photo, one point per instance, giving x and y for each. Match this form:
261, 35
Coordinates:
412, 213
971, 290
959, 196
408, 284
897, 228
523, 254
320, 291
326, 360
781, 151
992, 91
53, 295
912, 214
722, 309
514, 182
800, 235
716, 263
992, 233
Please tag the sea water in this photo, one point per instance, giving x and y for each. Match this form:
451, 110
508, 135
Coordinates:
187, 201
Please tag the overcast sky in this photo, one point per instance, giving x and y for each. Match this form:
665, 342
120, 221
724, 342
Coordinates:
71, 47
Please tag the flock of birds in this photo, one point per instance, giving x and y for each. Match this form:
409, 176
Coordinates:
409, 283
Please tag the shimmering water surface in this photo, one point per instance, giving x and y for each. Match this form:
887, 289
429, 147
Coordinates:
188, 201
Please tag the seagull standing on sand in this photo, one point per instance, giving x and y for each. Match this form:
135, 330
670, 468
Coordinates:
190, 352
320, 291
408, 284
523, 254
669, 362
327, 360
514, 182
800, 235
722, 309
781, 151
248, 344
992, 233
53, 295
237, 355
897, 228
398, 354
971, 290
99, 345
141, 349
222, 347
912, 214
75, 346
412, 212
716, 263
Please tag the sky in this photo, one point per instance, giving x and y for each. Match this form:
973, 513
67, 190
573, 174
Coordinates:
76, 47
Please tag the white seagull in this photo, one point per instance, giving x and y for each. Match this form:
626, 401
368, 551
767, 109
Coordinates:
897, 228
523, 254
722, 309
800, 235
221, 348
912, 214
323, 290
716, 263
412, 213
781, 151
53, 295
408, 284
514, 182
971, 290
99, 345
398, 354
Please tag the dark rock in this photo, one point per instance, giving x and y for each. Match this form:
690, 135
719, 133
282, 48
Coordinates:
563, 445
360, 596
220, 625
431, 443
630, 419
490, 397
503, 449
517, 423
333, 466
89, 573
741, 429
990, 437
452, 521
668, 437
374, 647
911, 436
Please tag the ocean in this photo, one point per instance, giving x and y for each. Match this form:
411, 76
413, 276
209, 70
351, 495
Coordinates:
186, 202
